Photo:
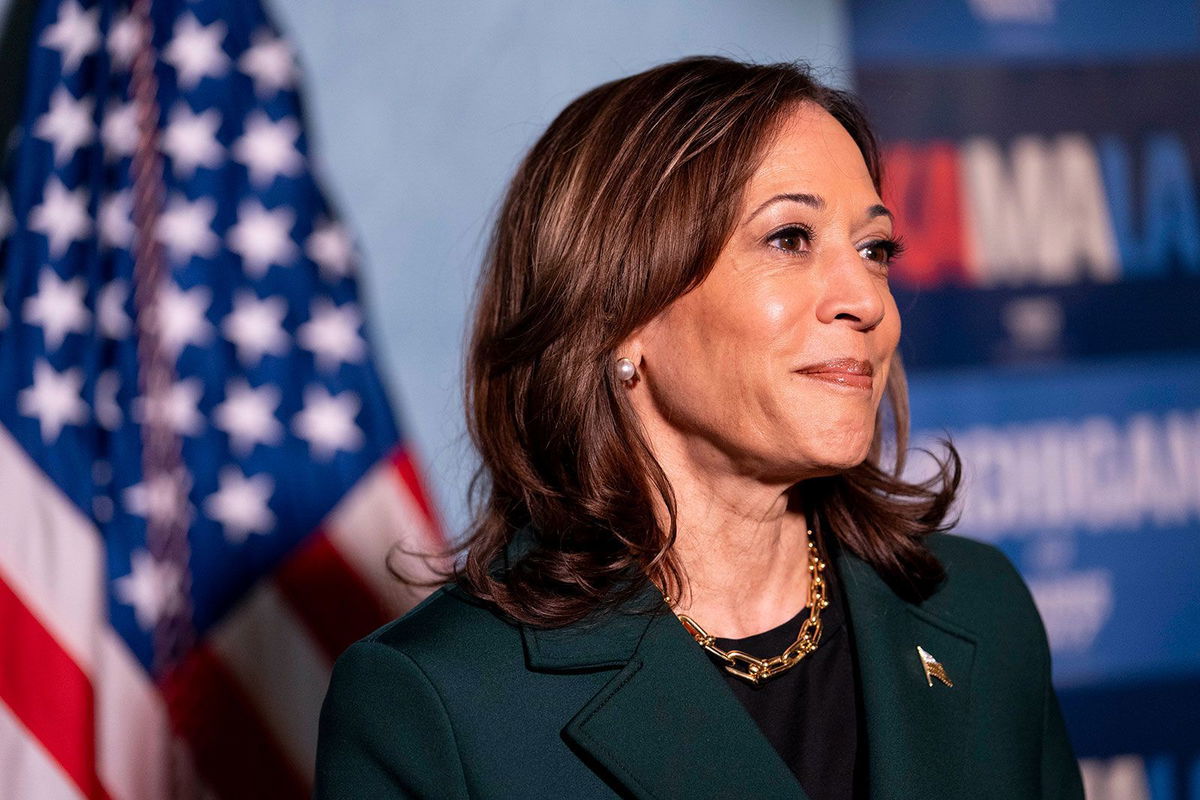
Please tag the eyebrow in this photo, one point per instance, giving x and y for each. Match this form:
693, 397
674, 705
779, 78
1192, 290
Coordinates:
878, 210
818, 203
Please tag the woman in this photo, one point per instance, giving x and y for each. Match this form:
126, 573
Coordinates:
693, 574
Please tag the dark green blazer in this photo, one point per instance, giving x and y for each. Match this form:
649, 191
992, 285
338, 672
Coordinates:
451, 701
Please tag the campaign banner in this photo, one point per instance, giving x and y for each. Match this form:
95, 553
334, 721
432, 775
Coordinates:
1048, 212
1043, 162
1087, 475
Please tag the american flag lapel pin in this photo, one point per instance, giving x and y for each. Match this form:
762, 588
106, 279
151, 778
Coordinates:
932, 668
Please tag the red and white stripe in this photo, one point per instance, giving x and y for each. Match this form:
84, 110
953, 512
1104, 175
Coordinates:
80, 718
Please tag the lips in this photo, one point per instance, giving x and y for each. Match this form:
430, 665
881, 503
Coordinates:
849, 372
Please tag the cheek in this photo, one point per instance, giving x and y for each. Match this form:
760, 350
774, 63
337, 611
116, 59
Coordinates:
713, 351
757, 322
885, 344
744, 324
775, 313
886, 336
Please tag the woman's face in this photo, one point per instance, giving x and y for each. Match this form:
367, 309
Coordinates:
775, 364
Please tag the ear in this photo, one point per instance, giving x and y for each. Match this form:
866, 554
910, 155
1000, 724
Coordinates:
633, 347
643, 342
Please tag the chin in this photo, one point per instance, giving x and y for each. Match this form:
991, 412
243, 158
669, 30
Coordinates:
835, 465
837, 454
804, 463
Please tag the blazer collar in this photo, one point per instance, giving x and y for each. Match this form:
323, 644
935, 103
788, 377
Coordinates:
916, 733
605, 639
666, 724
608, 638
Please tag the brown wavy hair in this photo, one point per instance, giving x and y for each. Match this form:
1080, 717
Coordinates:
621, 207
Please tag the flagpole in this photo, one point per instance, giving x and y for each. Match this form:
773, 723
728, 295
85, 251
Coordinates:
162, 465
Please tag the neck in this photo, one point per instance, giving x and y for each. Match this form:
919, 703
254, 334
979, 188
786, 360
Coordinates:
742, 545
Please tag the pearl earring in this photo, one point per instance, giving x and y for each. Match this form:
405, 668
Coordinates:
625, 370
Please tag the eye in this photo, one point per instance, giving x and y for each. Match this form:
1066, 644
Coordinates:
791, 239
882, 251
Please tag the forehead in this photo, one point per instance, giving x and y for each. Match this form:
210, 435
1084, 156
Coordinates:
811, 152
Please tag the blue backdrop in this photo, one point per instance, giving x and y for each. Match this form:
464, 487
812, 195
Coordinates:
422, 111
1043, 161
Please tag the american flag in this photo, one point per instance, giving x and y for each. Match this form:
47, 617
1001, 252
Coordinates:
201, 480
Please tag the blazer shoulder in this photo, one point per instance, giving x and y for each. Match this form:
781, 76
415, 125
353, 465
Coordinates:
449, 624
983, 591
384, 729
971, 560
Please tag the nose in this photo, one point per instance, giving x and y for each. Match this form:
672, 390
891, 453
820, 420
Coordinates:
854, 292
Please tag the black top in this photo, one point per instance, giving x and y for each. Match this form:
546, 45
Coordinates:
811, 713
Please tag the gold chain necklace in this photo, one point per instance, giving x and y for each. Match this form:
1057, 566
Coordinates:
757, 670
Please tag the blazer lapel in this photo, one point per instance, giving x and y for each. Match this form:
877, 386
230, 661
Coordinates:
915, 732
666, 725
